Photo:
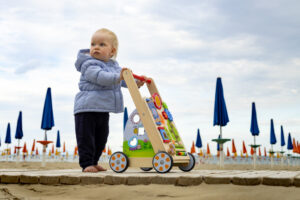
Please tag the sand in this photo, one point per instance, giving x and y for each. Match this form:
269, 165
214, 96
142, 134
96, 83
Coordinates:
151, 192
137, 192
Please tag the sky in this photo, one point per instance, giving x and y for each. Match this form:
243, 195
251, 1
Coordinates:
183, 45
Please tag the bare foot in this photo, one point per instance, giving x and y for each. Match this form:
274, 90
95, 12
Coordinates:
99, 168
91, 169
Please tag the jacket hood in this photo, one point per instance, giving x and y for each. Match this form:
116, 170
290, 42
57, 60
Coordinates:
83, 55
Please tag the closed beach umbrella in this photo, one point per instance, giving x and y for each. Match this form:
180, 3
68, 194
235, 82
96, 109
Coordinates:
228, 153
254, 126
272, 134
24, 148
125, 118
47, 118
58, 140
272, 141
193, 150
294, 146
220, 112
19, 129
233, 147
282, 143
33, 146
8, 137
290, 144
244, 148
198, 140
19, 133
64, 147
208, 149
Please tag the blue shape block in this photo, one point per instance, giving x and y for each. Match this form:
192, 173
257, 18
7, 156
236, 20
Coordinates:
164, 135
170, 117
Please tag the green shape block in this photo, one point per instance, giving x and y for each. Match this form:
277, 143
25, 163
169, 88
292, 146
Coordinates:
145, 151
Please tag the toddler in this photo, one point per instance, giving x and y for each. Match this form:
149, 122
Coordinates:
100, 93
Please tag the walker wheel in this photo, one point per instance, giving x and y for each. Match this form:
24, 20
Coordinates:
118, 162
146, 169
190, 166
162, 162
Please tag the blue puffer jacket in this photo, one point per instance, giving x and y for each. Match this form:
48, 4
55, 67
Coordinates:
100, 90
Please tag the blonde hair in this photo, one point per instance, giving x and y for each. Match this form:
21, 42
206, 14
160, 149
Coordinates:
114, 39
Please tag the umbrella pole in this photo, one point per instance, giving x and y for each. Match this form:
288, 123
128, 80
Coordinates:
281, 156
272, 161
288, 158
254, 155
18, 152
44, 151
7, 153
221, 151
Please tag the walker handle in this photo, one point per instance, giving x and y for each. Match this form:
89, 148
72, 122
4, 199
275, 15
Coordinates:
141, 78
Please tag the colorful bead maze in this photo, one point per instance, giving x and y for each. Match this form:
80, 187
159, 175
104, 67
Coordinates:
151, 139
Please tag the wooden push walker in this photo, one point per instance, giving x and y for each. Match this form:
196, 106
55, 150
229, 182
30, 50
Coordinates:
151, 139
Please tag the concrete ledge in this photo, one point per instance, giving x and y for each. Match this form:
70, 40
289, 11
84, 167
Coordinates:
186, 181
50, 180
69, 180
246, 180
13, 179
217, 180
114, 180
137, 177
27, 179
281, 178
164, 180
297, 181
87, 180
139, 180
277, 181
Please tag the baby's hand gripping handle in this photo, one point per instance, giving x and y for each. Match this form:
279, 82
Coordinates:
141, 78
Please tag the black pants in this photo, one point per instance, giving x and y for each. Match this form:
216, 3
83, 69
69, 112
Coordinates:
91, 134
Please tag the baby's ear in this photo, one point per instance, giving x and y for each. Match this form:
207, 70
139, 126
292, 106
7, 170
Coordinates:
113, 52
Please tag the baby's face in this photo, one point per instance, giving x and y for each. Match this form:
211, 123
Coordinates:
101, 46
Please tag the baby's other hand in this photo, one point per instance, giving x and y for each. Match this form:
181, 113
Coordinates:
141, 83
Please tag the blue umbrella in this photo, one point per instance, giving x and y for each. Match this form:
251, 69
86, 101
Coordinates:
290, 143
58, 140
254, 126
282, 137
220, 111
19, 129
272, 134
125, 118
47, 118
8, 137
198, 140
19, 132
